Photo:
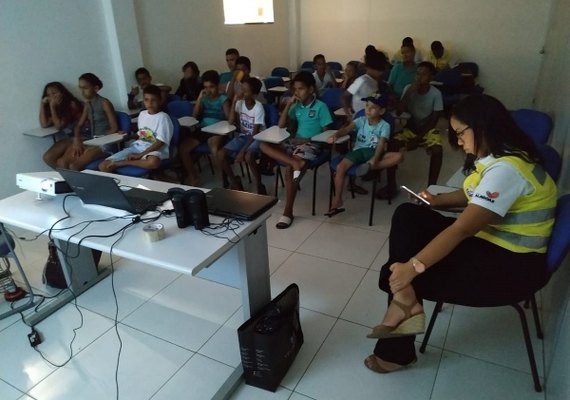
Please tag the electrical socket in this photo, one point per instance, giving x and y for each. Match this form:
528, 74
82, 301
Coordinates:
34, 337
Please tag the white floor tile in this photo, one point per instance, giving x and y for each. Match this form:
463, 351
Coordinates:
57, 333
8, 392
338, 371
494, 335
297, 396
223, 346
134, 284
315, 328
292, 237
325, 286
276, 258
198, 379
246, 392
343, 243
382, 257
187, 312
462, 377
145, 364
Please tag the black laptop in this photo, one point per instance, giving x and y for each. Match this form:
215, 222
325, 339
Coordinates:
236, 204
104, 191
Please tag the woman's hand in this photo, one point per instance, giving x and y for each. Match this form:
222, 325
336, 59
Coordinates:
432, 199
402, 276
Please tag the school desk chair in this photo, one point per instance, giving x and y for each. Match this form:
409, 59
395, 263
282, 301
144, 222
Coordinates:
535, 124
307, 66
450, 86
558, 247
124, 124
281, 72
270, 83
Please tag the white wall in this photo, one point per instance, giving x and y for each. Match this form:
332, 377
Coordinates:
553, 92
175, 31
42, 42
503, 37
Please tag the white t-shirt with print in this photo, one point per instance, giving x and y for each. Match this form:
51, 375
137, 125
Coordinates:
249, 118
153, 127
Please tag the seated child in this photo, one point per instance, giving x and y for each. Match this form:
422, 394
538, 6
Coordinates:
425, 104
403, 73
312, 117
99, 116
211, 107
154, 135
190, 85
241, 73
251, 116
350, 74
369, 150
62, 110
142, 75
366, 84
323, 74
439, 56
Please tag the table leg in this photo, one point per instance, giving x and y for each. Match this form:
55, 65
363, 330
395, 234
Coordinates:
255, 289
79, 266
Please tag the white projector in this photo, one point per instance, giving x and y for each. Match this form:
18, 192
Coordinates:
48, 183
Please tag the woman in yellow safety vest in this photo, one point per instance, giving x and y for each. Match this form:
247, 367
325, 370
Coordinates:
494, 250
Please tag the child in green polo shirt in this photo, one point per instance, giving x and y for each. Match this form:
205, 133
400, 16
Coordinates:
311, 117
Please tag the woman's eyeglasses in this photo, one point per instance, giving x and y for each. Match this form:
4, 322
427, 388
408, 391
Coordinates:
460, 133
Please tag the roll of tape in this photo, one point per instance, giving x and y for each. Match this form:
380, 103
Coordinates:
154, 232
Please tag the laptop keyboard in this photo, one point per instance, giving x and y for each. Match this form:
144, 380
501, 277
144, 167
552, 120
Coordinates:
141, 204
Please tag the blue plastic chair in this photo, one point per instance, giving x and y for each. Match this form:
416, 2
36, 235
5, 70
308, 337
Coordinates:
550, 161
281, 72
271, 115
143, 172
558, 247
124, 123
179, 108
332, 98
307, 65
535, 124
271, 82
335, 65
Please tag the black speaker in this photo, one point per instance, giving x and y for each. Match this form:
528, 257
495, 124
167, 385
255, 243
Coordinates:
198, 208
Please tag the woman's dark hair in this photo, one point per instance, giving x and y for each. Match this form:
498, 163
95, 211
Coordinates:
92, 79
493, 127
67, 99
195, 71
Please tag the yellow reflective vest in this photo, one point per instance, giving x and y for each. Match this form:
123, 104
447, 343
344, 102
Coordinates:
527, 225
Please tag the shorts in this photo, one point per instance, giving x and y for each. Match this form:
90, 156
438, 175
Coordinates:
307, 151
123, 154
235, 145
360, 156
432, 138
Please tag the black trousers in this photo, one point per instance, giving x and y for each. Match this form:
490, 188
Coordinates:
476, 272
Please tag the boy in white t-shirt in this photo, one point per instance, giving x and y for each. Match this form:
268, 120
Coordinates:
153, 137
251, 116
367, 84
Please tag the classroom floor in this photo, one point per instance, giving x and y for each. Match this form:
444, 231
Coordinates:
179, 332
